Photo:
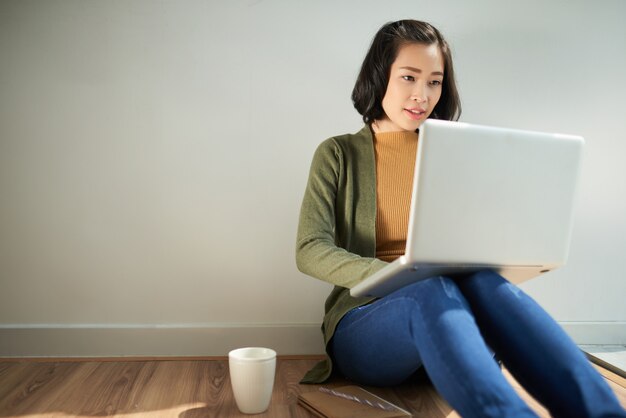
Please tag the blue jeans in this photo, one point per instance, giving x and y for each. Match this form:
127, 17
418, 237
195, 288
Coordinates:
450, 326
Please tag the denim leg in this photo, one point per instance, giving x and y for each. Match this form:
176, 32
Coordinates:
373, 345
429, 323
536, 350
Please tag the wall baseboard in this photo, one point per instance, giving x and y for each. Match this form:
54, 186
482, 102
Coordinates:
208, 339
160, 341
596, 333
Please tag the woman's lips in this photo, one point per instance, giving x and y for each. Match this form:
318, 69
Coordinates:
415, 114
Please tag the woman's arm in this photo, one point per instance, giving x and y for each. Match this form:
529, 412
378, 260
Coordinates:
317, 253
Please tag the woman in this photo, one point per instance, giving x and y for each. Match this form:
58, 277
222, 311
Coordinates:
353, 221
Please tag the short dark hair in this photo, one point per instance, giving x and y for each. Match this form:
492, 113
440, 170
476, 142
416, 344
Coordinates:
371, 84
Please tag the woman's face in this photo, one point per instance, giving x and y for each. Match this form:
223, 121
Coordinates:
414, 88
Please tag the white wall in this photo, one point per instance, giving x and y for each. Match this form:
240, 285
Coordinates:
153, 155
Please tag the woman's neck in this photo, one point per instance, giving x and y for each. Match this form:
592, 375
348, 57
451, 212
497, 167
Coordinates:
379, 126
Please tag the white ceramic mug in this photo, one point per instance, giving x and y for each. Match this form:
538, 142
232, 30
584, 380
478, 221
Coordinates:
252, 372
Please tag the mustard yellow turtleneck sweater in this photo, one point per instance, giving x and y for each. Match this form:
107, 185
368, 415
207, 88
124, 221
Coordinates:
395, 162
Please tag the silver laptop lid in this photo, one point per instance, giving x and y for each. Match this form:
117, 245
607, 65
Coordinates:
492, 196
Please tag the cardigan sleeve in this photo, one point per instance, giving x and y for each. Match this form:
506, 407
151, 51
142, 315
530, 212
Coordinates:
317, 252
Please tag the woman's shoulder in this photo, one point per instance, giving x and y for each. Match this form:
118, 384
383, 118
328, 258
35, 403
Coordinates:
343, 150
346, 142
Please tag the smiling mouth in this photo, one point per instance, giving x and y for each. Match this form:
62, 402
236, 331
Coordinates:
415, 113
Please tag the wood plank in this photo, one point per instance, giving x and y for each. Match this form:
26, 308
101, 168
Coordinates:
10, 376
606, 365
610, 375
10, 360
39, 386
187, 389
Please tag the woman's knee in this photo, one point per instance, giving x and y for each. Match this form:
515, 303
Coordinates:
432, 288
482, 282
488, 275
430, 284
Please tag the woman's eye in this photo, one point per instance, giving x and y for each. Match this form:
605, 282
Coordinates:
408, 78
436, 82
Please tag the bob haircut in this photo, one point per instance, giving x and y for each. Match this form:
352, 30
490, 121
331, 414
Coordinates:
371, 84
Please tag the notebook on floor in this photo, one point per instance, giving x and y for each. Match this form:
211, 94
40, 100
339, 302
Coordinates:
349, 402
485, 198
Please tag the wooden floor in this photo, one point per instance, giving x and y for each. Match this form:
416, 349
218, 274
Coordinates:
185, 389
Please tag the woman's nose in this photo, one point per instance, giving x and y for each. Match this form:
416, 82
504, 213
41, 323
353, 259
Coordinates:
418, 98
418, 95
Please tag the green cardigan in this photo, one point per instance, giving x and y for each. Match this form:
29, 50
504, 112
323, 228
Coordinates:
336, 239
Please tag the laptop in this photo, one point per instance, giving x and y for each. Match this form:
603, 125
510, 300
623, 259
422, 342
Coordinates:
485, 198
